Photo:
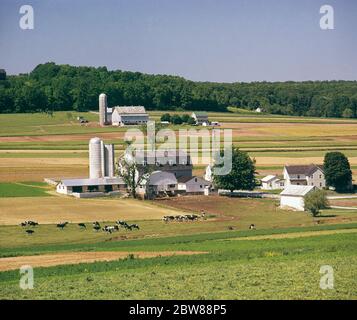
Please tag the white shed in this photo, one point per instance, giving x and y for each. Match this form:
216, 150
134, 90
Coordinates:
192, 184
272, 182
293, 197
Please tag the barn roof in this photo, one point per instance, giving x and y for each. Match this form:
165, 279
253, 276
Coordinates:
137, 110
296, 190
306, 170
92, 182
164, 156
187, 179
159, 178
269, 178
200, 114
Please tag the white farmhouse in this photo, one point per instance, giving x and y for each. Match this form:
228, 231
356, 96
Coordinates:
158, 183
201, 118
134, 115
292, 197
305, 175
192, 184
272, 182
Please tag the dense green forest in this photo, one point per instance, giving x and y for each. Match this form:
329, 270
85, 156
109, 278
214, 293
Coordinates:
51, 87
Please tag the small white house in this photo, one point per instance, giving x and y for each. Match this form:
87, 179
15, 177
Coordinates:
293, 197
272, 182
192, 184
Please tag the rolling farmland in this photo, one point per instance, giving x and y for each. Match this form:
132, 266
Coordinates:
281, 259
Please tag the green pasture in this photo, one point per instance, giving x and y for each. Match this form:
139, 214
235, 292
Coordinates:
26, 189
280, 268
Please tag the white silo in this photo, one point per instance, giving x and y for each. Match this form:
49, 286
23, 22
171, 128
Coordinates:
108, 167
95, 158
103, 109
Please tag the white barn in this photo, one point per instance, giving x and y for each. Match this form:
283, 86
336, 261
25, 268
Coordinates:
201, 118
192, 184
293, 197
133, 115
89, 188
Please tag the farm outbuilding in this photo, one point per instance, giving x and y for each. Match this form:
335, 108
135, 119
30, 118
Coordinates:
272, 182
133, 115
158, 183
192, 184
201, 118
88, 188
293, 197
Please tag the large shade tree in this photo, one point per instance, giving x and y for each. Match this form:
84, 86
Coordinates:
338, 172
242, 175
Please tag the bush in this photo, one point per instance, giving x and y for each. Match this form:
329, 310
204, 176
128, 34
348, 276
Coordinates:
315, 201
166, 117
176, 119
185, 118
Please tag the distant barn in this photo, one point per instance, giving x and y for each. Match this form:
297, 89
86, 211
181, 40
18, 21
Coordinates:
132, 115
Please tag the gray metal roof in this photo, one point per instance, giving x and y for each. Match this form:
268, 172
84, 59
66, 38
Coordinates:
297, 191
133, 110
92, 182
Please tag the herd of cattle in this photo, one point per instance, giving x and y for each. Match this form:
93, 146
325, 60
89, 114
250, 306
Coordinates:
182, 218
96, 226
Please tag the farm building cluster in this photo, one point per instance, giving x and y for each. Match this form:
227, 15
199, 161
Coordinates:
297, 181
137, 115
162, 175
304, 175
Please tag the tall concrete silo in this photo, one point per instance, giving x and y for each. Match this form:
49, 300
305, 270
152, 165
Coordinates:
107, 160
95, 158
103, 109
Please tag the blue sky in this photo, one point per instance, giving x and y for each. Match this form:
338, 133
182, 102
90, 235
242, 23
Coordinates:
203, 40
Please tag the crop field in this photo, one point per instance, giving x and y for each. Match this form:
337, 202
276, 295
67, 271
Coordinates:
222, 268
31, 144
216, 257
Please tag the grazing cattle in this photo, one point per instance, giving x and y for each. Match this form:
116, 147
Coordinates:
134, 226
168, 218
110, 229
61, 225
124, 224
32, 223
82, 225
252, 227
30, 232
192, 217
96, 224
96, 227
23, 224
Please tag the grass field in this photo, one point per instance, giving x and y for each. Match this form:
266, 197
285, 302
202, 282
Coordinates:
285, 268
213, 258
23, 190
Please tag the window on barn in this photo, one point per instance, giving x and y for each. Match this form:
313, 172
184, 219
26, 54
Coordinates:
93, 188
77, 189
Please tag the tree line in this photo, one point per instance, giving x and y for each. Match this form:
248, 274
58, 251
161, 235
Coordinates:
52, 87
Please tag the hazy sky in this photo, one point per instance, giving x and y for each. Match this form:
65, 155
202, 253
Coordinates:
206, 40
